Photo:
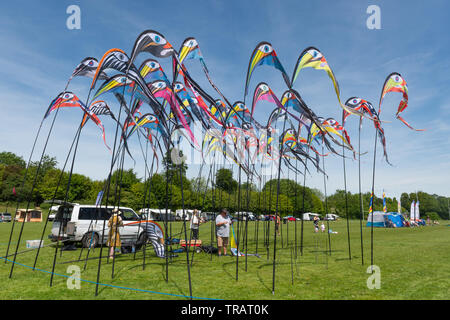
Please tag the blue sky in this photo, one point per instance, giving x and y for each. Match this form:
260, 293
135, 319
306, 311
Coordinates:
39, 53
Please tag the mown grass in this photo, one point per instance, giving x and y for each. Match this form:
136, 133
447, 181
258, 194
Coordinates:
414, 264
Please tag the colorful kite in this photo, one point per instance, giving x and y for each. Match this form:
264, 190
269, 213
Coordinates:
264, 54
395, 83
65, 100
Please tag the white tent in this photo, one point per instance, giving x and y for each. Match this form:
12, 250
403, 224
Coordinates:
154, 214
378, 219
187, 214
307, 216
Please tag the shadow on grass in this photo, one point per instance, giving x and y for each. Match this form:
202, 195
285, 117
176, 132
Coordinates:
260, 278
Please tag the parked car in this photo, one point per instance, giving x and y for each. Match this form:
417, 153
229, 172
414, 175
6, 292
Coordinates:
5, 217
85, 223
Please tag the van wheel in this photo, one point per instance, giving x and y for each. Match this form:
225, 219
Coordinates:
87, 238
141, 241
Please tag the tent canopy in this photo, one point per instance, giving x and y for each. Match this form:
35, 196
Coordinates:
382, 219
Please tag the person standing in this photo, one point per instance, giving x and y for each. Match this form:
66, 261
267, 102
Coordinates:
114, 236
195, 224
223, 223
316, 224
277, 224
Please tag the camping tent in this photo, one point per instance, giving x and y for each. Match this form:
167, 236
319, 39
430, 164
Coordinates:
378, 219
395, 218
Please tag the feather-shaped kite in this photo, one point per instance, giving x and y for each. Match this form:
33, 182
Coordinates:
190, 102
70, 100
98, 108
264, 54
112, 59
116, 84
152, 42
311, 57
396, 83
160, 90
65, 100
191, 50
151, 71
87, 68
263, 92
238, 114
366, 107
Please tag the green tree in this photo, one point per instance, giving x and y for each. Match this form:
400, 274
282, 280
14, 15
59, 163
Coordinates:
225, 181
10, 159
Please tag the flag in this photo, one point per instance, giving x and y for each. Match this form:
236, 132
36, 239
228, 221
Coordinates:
384, 203
371, 203
417, 214
99, 198
412, 211
14, 191
399, 206
233, 245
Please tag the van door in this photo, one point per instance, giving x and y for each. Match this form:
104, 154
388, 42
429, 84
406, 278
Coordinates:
59, 226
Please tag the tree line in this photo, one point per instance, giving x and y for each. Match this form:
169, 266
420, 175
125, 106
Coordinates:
214, 190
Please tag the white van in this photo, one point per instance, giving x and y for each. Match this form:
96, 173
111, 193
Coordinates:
85, 224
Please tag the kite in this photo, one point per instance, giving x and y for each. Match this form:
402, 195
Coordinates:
112, 59
311, 57
70, 100
115, 84
366, 107
264, 54
152, 42
151, 70
396, 83
160, 90
65, 100
87, 68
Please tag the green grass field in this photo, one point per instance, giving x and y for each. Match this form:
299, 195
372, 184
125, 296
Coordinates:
414, 264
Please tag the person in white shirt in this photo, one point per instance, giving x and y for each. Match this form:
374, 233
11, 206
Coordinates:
223, 223
195, 224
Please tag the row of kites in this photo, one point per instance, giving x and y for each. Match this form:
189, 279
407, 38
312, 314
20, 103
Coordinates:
156, 107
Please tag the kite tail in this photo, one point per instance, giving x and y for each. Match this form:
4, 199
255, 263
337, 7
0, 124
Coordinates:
407, 124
